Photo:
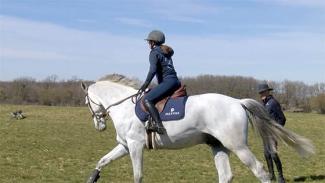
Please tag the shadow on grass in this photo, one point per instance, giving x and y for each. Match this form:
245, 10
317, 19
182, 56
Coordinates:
311, 177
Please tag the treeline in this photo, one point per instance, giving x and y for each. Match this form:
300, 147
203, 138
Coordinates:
293, 95
50, 92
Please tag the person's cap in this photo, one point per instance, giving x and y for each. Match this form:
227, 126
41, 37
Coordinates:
263, 87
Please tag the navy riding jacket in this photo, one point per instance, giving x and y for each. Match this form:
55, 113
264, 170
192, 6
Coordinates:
274, 109
161, 65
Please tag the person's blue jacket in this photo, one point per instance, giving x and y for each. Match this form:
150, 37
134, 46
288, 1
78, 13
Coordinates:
161, 64
274, 109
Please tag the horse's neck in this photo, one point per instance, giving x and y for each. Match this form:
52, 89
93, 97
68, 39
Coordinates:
110, 93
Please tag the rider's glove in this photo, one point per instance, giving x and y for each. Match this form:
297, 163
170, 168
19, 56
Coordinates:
143, 87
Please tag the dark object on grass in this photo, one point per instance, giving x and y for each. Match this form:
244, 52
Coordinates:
18, 114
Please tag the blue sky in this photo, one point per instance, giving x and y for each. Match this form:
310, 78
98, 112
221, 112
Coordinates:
265, 39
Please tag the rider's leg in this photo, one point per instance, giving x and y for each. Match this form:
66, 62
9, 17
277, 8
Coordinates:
150, 106
164, 89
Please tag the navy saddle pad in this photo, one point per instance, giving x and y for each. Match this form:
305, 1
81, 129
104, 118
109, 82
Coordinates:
173, 110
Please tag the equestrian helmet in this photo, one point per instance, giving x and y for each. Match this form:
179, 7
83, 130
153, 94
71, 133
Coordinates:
156, 36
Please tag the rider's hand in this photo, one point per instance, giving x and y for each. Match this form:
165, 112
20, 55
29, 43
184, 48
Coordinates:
140, 91
143, 87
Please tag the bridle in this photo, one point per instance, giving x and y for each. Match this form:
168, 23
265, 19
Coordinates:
134, 98
93, 114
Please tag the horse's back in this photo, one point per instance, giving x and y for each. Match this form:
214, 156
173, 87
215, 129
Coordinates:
212, 114
224, 118
213, 101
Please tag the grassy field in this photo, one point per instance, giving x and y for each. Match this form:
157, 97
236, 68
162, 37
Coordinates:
60, 144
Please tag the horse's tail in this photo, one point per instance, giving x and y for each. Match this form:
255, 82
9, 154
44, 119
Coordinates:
267, 128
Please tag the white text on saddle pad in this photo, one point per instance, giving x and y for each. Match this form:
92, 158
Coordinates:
172, 112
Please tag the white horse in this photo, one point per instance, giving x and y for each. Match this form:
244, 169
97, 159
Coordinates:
217, 120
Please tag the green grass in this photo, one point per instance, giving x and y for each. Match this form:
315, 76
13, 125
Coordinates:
60, 144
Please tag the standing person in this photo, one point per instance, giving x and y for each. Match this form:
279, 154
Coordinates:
161, 66
275, 111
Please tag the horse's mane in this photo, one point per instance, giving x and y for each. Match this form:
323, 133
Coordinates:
121, 79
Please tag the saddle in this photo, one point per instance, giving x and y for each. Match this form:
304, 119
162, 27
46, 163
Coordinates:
180, 92
173, 109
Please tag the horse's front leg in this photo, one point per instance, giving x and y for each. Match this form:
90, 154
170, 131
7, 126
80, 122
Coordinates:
136, 155
118, 152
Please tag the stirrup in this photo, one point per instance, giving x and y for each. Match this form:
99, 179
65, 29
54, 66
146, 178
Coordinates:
155, 127
160, 130
158, 127
150, 126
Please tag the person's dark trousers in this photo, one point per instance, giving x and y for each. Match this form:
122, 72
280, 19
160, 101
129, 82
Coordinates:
270, 157
278, 165
157, 126
162, 90
269, 163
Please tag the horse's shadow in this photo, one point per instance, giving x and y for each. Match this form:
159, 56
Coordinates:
309, 178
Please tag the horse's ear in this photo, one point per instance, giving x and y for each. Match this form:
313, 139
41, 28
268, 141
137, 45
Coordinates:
84, 87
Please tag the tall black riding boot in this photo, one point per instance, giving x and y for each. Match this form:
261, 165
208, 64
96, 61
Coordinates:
278, 165
269, 163
157, 126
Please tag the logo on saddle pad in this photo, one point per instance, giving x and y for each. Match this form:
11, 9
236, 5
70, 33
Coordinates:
173, 110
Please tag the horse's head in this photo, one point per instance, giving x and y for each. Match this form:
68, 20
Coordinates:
97, 110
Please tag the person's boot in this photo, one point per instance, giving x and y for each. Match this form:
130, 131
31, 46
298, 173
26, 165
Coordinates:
281, 179
157, 125
278, 165
269, 163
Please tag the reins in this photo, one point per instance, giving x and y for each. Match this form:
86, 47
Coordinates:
134, 99
123, 100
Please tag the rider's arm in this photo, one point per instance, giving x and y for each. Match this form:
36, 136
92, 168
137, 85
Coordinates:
152, 70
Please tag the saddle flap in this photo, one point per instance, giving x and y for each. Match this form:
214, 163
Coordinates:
180, 92
173, 109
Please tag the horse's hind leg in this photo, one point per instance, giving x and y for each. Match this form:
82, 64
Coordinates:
248, 158
118, 152
221, 160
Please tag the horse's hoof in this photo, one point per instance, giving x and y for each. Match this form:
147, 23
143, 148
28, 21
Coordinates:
94, 176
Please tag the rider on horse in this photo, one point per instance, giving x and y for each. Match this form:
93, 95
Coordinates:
161, 66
